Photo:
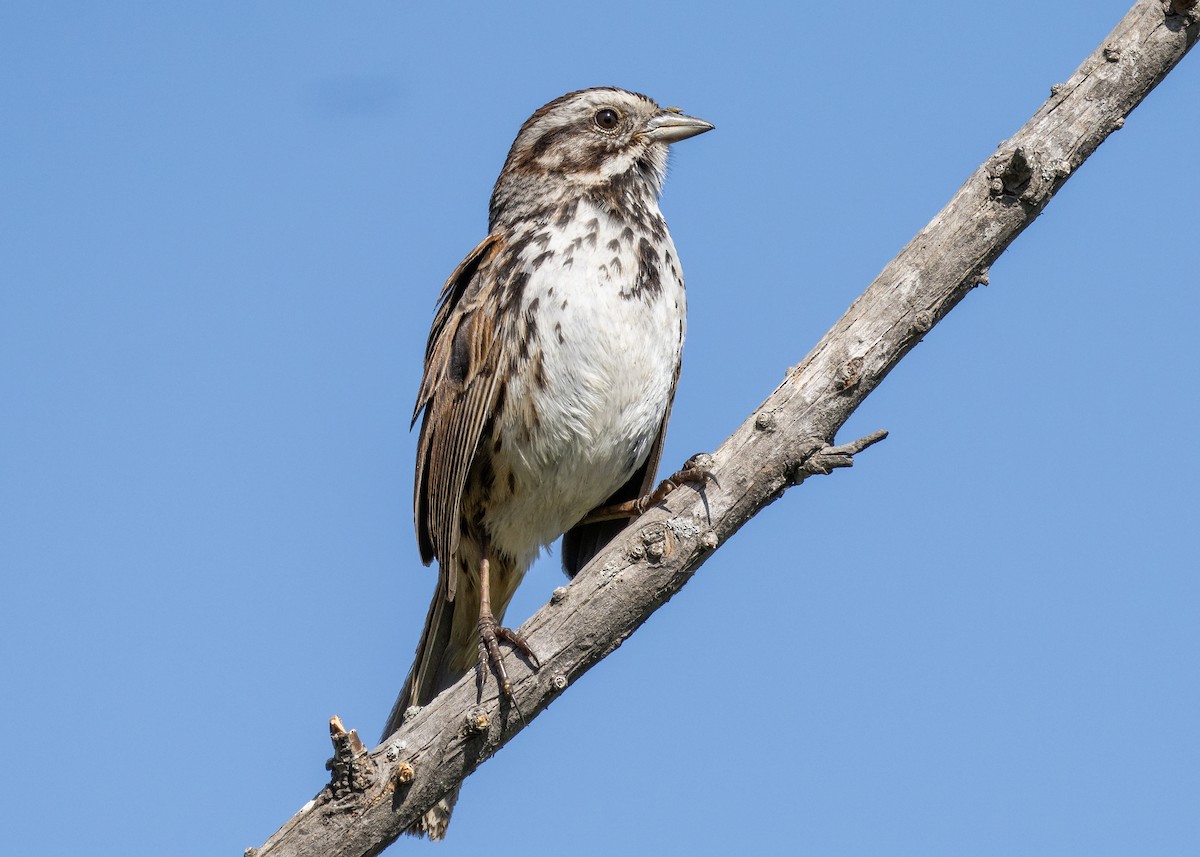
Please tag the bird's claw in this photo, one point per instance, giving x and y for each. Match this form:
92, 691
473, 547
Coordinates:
491, 633
695, 471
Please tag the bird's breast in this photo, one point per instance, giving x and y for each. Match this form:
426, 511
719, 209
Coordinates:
602, 326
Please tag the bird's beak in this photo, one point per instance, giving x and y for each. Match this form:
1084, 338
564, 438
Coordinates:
671, 126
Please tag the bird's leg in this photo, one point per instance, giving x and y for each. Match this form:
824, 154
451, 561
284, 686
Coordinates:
693, 472
491, 632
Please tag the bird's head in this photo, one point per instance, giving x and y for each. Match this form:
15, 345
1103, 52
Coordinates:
592, 138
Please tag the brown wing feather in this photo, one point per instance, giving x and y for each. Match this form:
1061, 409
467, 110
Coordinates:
458, 392
584, 541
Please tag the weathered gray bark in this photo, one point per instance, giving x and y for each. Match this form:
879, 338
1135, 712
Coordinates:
375, 795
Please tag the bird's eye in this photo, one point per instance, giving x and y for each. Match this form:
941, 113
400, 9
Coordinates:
607, 119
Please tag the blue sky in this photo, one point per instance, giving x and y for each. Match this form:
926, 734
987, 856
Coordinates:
223, 231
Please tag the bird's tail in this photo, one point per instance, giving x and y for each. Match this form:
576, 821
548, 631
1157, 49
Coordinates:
431, 650
447, 649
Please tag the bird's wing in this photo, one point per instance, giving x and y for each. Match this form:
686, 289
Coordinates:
584, 541
458, 396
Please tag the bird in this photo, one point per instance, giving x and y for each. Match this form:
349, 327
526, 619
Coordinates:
549, 375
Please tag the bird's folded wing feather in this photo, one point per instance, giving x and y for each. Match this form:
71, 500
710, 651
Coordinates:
458, 395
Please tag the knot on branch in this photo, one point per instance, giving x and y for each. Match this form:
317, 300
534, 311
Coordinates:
1029, 177
823, 460
848, 375
352, 769
655, 542
1011, 176
476, 720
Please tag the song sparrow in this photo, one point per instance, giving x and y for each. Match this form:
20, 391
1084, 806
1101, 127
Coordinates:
549, 374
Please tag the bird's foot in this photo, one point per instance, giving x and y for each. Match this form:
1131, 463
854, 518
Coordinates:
695, 471
491, 633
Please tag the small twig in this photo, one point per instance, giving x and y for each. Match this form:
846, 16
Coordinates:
824, 460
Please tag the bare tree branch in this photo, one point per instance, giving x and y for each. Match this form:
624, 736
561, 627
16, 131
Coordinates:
374, 795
